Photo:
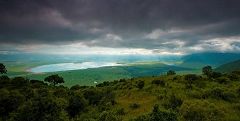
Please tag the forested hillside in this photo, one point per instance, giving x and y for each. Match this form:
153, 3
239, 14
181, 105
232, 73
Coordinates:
211, 96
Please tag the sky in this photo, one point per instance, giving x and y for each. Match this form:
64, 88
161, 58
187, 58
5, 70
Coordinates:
118, 27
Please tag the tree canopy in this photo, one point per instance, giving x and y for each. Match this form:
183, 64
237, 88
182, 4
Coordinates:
3, 69
54, 79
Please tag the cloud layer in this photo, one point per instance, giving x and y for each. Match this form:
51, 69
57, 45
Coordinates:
156, 25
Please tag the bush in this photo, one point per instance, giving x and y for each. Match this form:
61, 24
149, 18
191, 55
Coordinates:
106, 83
40, 109
173, 102
171, 72
158, 82
75, 87
54, 79
134, 105
4, 77
76, 105
233, 77
140, 84
19, 81
4, 80
216, 74
199, 110
122, 80
190, 78
207, 70
108, 116
220, 94
222, 80
120, 111
93, 96
158, 115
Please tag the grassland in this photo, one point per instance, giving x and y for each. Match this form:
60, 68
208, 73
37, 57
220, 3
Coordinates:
94, 76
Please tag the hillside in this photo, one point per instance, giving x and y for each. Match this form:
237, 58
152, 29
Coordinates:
199, 60
187, 97
229, 67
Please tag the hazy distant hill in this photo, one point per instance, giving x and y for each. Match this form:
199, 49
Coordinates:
229, 67
214, 59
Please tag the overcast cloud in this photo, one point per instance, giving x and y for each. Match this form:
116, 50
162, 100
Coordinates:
159, 26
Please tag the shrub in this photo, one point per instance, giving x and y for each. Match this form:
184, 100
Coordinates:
199, 110
234, 77
3, 69
142, 118
158, 115
190, 78
134, 105
108, 116
93, 96
236, 72
238, 91
19, 81
171, 72
4, 80
122, 80
75, 87
222, 80
76, 105
120, 111
216, 74
4, 77
207, 70
106, 83
173, 102
54, 79
158, 82
219, 93
140, 84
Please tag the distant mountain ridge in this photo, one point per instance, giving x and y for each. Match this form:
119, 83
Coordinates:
229, 67
213, 59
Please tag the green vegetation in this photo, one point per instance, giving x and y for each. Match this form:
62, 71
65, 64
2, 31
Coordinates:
3, 69
229, 67
54, 79
93, 76
189, 97
171, 72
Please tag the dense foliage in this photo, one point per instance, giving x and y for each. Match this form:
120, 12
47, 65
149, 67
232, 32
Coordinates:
190, 97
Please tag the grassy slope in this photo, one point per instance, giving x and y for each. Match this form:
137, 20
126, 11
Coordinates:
149, 95
229, 67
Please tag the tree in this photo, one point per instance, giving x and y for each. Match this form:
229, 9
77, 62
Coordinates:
76, 105
207, 70
54, 79
190, 78
171, 72
140, 84
3, 69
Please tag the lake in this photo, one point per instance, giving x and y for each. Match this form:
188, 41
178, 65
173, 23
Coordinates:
71, 66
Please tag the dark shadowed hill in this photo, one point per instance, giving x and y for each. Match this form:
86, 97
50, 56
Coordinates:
229, 67
214, 59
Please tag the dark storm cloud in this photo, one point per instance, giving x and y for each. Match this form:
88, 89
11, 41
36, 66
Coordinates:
118, 23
